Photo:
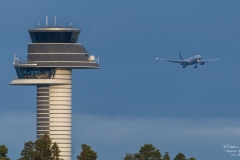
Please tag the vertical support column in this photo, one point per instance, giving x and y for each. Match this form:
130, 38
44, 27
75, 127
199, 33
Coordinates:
42, 110
60, 107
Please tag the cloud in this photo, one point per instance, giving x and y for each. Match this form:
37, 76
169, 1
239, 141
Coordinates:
112, 137
116, 136
17, 128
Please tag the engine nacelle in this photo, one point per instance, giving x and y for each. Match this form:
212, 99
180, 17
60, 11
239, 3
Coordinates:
182, 63
202, 63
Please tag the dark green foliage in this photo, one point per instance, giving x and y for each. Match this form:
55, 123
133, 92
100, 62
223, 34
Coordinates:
180, 156
41, 149
4, 158
148, 151
166, 156
3, 152
28, 151
87, 153
55, 151
128, 156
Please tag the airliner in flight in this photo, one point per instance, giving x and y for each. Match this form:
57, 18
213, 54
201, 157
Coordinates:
189, 61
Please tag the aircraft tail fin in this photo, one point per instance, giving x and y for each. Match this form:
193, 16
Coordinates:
180, 56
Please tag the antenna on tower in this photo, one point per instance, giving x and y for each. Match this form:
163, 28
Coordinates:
39, 24
46, 21
55, 21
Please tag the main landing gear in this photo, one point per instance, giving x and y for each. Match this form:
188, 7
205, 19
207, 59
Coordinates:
195, 66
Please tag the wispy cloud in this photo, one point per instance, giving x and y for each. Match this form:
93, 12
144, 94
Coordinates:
17, 128
113, 137
122, 135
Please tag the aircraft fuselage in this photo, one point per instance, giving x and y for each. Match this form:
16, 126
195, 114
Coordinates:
190, 61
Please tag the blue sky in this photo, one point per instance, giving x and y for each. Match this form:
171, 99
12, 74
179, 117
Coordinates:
134, 99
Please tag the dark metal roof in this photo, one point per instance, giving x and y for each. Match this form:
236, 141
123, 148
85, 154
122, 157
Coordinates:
54, 30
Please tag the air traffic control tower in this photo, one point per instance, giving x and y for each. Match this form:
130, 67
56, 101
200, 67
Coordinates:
52, 55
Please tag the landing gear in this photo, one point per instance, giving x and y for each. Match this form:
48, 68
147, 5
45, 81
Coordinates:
195, 66
183, 66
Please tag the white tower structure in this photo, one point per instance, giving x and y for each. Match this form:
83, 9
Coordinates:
52, 55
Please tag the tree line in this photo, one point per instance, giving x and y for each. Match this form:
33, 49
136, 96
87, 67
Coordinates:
44, 149
149, 152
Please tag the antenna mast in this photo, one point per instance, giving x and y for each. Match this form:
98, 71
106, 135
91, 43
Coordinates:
47, 21
55, 21
39, 24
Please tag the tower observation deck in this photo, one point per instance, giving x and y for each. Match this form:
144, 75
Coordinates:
52, 55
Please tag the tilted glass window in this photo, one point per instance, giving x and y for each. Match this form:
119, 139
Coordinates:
34, 73
54, 37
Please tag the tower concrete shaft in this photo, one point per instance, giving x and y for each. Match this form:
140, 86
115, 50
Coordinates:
54, 108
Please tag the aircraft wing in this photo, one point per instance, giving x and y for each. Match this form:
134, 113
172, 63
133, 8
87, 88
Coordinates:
169, 60
203, 61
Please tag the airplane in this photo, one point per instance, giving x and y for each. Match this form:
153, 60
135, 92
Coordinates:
189, 61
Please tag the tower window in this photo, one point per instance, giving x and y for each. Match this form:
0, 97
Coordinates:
34, 73
54, 37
